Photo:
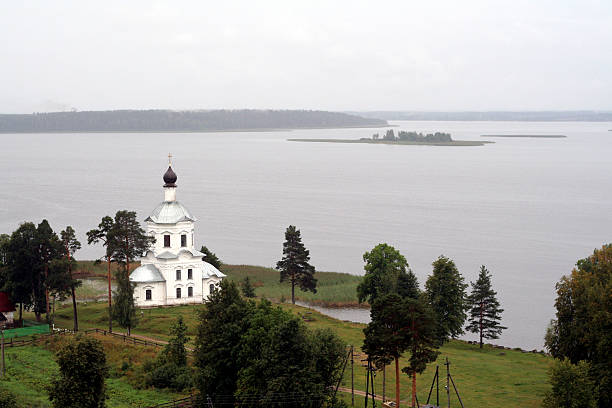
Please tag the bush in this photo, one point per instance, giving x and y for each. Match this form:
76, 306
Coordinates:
571, 386
7, 399
171, 376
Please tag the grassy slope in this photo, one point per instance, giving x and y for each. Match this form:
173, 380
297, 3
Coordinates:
30, 369
487, 378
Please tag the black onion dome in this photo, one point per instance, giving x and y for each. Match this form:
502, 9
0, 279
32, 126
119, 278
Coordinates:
170, 177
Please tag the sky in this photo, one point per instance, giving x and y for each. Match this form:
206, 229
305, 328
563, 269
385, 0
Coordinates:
291, 54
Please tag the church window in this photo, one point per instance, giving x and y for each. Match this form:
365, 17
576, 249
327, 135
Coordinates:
211, 288
148, 294
190, 291
178, 293
178, 274
166, 241
189, 273
183, 240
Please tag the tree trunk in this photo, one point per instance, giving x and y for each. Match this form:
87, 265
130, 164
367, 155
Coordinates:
47, 290
292, 291
110, 305
384, 381
413, 389
480, 324
74, 310
128, 329
397, 383
20, 314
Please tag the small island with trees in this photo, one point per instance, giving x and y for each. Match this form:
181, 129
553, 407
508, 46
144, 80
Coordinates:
404, 138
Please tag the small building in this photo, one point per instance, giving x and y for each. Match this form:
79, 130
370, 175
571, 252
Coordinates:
6, 311
172, 272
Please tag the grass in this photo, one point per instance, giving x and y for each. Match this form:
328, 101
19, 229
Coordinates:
486, 378
31, 368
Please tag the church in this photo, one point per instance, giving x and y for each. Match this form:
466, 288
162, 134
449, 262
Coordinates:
172, 272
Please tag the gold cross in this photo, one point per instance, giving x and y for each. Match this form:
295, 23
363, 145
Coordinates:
169, 159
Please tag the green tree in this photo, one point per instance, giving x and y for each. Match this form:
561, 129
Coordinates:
175, 352
421, 327
82, 370
294, 266
124, 309
484, 309
23, 279
446, 295
71, 245
48, 250
101, 235
127, 240
222, 321
386, 272
210, 257
582, 329
572, 386
248, 290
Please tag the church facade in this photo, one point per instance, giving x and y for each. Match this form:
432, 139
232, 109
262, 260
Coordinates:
172, 272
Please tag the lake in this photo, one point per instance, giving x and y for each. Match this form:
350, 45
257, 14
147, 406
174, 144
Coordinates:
525, 208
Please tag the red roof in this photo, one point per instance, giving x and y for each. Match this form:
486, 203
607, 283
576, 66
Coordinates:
5, 303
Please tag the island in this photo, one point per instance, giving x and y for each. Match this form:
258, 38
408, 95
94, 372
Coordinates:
404, 138
529, 136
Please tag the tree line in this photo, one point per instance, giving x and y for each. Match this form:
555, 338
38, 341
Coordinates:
402, 135
170, 120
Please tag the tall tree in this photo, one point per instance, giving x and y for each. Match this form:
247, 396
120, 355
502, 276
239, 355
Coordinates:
71, 245
175, 352
484, 309
421, 328
127, 240
294, 266
101, 234
124, 309
49, 250
445, 290
210, 257
82, 372
248, 291
386, 272
583, 327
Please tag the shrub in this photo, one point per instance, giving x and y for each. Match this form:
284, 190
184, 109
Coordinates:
571, 386
7, 399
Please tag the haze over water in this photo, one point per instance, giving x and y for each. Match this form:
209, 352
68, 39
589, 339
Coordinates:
526, 208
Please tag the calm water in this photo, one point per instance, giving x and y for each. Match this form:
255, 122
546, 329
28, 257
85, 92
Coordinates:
526, 208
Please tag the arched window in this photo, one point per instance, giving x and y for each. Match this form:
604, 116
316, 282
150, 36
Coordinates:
148, 294
178, 293
211, 288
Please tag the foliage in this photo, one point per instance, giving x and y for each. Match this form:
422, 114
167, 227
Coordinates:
71, 245
82, 365
484, 308
124, 309
102, 234
446, 295
246, 350
127, 240
572, 386
211, 258
386, 272
583, 327
438, 137
294, 266
248, 290
175, 352
7, 399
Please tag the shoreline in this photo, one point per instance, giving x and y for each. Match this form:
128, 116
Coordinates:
454, 143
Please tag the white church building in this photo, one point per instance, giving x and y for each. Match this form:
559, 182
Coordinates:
173, 271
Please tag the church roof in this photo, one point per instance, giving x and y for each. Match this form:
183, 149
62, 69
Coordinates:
146, 273
209, 271
171, 255
170, 212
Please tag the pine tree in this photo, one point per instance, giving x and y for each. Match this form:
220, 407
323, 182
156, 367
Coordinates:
484, 310
124, 309
445, 291
211, 258
127, 240
101, 234
175, 352
294, 266
71, 245
248, 290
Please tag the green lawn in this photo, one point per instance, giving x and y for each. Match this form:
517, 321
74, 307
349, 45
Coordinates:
30, 369
485, 378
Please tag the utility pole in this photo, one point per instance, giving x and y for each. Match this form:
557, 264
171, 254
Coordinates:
352, 378
3, 369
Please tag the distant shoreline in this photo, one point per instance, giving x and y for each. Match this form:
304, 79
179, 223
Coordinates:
529, 136
396, 142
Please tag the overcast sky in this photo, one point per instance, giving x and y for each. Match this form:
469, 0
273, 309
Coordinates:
333, 55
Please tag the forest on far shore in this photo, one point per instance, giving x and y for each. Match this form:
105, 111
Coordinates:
177, 121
